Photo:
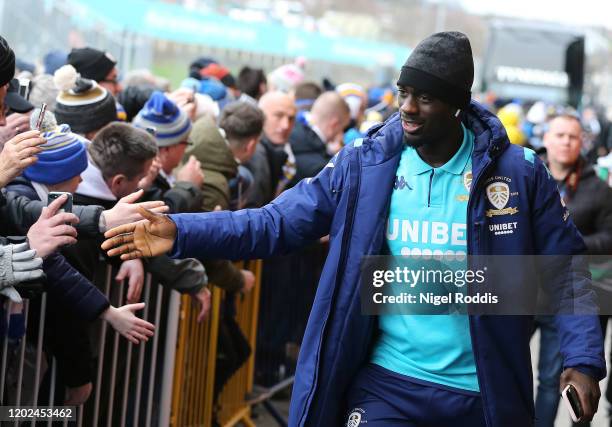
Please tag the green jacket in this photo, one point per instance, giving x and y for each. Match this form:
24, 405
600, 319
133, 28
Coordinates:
219, 166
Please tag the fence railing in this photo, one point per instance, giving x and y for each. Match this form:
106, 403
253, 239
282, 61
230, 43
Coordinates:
170, 380
233, 405
194, 367
129, 384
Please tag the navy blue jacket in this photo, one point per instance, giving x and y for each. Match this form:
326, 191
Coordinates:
349, 199
63, 281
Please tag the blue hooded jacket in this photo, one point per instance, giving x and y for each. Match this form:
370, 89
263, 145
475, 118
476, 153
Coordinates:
349, 200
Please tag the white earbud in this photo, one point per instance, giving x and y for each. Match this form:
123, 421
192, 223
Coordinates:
458, 112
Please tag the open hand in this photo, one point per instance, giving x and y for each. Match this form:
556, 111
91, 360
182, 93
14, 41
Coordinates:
191, 172
124, 321
184, 98
150, 237
126, 211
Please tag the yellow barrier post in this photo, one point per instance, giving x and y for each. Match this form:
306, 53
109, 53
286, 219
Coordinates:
194, 369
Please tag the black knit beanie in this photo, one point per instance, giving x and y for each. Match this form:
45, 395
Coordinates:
86, 108
7, 62
91, 63
134, 98
441, 65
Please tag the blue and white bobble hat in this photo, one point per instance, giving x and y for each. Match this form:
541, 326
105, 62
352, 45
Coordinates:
171, 124
63, 157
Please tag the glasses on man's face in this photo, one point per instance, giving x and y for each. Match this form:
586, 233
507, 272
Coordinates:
110, 81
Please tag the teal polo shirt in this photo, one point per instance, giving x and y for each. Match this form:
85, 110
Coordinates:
428, 217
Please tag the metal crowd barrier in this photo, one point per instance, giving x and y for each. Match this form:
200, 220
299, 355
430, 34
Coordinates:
289, 284
133, 384
169, 380
195, 366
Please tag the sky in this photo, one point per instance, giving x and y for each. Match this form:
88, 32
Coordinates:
579, 13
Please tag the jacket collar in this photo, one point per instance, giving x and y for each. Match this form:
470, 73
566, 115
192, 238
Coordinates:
489, 133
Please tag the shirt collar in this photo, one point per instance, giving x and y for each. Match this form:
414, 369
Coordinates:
170, 179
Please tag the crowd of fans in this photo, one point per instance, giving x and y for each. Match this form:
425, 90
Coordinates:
121, 143
217, 142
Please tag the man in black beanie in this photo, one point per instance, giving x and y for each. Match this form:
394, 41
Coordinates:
437, 181
96, 65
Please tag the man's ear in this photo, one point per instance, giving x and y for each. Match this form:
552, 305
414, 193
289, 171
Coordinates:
333, 124
250, 146
116, 183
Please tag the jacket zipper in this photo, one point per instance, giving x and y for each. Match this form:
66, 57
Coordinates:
354, 167
475, 184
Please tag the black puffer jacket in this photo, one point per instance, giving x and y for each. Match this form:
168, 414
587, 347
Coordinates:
309, 150
590, 206
266, 165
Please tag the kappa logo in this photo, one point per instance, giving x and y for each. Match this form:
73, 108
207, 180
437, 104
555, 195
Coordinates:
467, 180
400, 183
498, 194
354, 418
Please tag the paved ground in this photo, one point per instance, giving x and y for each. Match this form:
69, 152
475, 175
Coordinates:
563, 419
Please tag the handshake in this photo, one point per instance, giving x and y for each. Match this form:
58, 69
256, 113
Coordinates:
152, 236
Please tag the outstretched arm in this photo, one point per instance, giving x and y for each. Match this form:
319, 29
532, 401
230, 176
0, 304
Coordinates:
298, 216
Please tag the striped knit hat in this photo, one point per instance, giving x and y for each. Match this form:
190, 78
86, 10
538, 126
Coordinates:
82, 103
63, 157
171, 124
354, 95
